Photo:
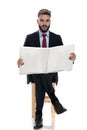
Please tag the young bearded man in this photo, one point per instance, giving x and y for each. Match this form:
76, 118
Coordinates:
44, 38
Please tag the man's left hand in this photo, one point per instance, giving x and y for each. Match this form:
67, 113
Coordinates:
72, 56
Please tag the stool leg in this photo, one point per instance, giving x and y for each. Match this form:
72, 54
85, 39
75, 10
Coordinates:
52, 108
52, 112
33, 100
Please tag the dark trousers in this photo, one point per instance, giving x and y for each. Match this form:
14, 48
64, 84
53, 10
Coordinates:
43, 84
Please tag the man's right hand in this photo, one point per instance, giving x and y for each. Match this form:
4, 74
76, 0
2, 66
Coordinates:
20, 62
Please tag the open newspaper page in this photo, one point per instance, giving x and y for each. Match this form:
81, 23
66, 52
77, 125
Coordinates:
46, 60
35, 60
58, 59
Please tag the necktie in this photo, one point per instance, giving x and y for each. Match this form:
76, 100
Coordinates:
44, 40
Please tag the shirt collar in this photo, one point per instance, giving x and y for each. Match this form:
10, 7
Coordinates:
40, 33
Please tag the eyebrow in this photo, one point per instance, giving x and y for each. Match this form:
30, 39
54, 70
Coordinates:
43, 19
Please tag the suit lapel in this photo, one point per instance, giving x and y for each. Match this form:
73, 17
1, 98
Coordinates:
50, 40
37, 41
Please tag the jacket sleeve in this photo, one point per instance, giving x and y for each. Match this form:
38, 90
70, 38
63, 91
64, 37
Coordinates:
26, 44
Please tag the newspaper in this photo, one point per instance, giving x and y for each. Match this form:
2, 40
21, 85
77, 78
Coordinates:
46, 60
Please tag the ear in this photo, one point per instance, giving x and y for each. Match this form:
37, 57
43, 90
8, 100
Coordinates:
37, 21
50, 21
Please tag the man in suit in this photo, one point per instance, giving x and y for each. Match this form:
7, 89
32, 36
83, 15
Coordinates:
44, 81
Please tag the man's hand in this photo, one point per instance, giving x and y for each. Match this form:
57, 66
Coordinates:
20, 62
72, 56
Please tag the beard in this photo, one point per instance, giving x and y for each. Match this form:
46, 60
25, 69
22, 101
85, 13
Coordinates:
44, 28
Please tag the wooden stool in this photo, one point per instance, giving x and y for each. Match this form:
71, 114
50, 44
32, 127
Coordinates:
46, 100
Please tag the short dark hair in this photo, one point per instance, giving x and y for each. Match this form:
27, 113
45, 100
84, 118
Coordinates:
44, 12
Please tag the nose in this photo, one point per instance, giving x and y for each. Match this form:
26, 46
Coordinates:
44, 23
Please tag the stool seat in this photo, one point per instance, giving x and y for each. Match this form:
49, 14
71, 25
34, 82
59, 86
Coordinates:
46, 100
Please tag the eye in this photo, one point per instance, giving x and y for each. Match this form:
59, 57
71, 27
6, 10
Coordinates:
41, 20
47, 20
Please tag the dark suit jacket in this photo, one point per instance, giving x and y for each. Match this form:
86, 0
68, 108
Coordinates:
32, 40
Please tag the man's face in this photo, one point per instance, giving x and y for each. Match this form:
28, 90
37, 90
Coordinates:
44, 23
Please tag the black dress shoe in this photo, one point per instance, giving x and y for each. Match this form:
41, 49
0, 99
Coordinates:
38, 123
59, 109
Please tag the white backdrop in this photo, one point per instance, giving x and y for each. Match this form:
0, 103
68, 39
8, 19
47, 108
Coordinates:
19, 18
